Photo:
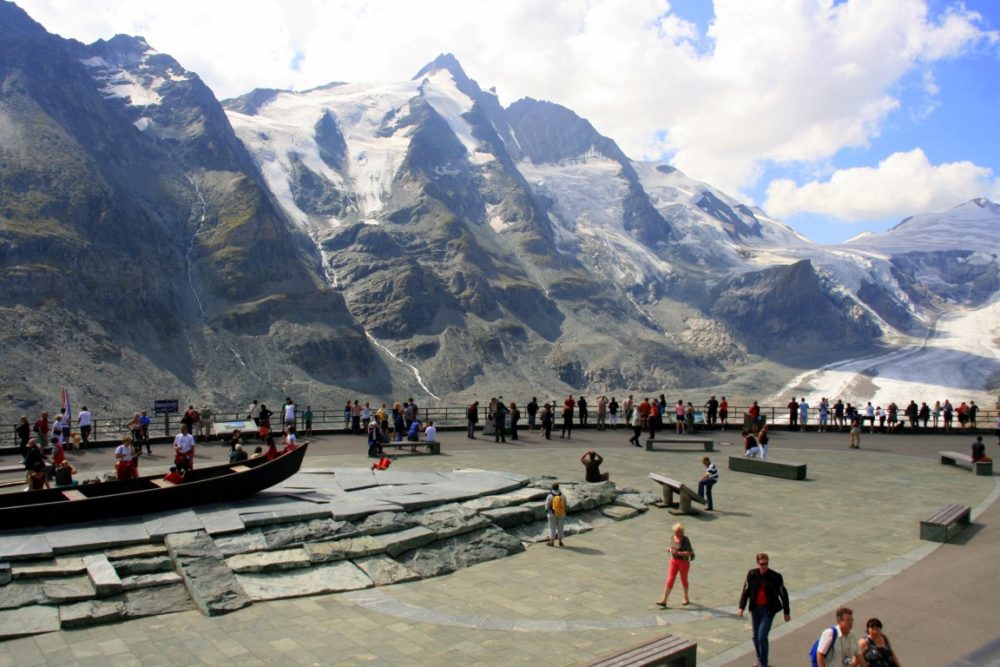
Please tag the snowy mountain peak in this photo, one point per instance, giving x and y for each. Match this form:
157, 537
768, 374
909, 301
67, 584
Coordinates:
446, 62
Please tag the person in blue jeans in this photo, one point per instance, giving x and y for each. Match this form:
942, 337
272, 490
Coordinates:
707, 481
764, 589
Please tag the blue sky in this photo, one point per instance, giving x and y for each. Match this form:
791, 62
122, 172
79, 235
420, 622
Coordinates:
835, 116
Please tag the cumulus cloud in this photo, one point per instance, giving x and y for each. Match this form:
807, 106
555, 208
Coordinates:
898, 186
771, 80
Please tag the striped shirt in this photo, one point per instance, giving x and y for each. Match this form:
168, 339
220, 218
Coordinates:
713, 472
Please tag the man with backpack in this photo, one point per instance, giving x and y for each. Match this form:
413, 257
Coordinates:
838, 645
555, 511
764, 589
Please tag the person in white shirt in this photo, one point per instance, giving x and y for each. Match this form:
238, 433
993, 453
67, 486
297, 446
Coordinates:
838, 645
253, 412
84, 421
431, 432
184, 449
57, 431
123, 459
289, 417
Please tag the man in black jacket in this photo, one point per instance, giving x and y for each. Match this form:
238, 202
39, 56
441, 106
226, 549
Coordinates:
765, 590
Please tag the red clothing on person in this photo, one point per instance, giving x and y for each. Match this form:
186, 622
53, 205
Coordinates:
58, 455
174, 477
290, 447
271, 453
761, 598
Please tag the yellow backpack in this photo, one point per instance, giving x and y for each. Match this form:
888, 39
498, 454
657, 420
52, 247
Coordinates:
559, 505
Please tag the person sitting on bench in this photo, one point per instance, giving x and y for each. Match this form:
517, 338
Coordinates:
413, 433
592, 462
374, 440
979, 451
175, 476
431, 432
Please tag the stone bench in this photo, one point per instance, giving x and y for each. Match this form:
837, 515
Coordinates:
666, 651
769, 467
433, 447
978, 467
709, 445
685, 494
945, 523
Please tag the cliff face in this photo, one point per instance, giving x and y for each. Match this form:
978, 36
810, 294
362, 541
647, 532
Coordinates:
135, 232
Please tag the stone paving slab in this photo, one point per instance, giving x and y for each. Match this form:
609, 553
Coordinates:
28, 621
91, 612
220, 520
61, 566
385, 571
138, 551
269, 561
150, 580
239, 543
69, 589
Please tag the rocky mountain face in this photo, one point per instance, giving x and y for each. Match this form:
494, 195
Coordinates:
140, 255
410, 238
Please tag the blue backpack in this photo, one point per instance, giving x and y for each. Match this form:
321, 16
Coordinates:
815, 647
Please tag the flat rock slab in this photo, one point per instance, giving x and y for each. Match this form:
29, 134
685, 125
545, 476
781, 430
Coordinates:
506, 517
155, 601
404, 477
241, 543
352, 479
159, 526
211, 583
97, 536
31, 620
396, 543
516, 497
91, 612
450, 520
304, 512
56, 567
127, 567
315, 530
328, 578
220, 520
587, 496
637, 501
138, 551
351, 509
102, 575
384, 571
350, 547
462, 551
21, 546
385, 522
151, 580
69, 589
269, 561
619, 512
22, 593
305, 480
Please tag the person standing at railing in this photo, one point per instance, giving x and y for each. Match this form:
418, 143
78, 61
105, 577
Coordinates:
803, 414
144, 423
532, 410
471, 419
253, 413
723, 413
793, 414
84, 421
308, 417
23, 431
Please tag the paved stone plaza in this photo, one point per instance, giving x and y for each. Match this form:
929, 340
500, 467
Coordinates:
849, 533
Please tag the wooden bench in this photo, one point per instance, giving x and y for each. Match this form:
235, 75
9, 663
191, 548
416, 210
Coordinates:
666, 651
163, 483
73, 494
239, 468
685, 495
709, 445
769, 467
945, 523
978, 467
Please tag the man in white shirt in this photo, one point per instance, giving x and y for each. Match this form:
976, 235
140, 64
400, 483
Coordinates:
253, 412
184, 449
84, 421
838, 645
431, 432
57, 431
289, 412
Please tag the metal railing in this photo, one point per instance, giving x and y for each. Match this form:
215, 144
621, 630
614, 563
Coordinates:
105, 428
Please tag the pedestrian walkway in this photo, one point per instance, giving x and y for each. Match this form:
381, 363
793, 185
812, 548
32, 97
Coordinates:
849, 534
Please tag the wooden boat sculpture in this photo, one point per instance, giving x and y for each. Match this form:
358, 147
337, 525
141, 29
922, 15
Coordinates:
146, 495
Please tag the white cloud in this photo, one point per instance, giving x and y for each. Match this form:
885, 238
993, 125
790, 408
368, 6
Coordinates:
900, 185
780, 81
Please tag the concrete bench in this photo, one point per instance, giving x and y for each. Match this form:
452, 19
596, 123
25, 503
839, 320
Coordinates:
769, 467
978, 467
433, 447
945, 523
685, 495
666, 651
709, 445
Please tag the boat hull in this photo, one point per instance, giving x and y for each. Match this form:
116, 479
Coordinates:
131, 497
